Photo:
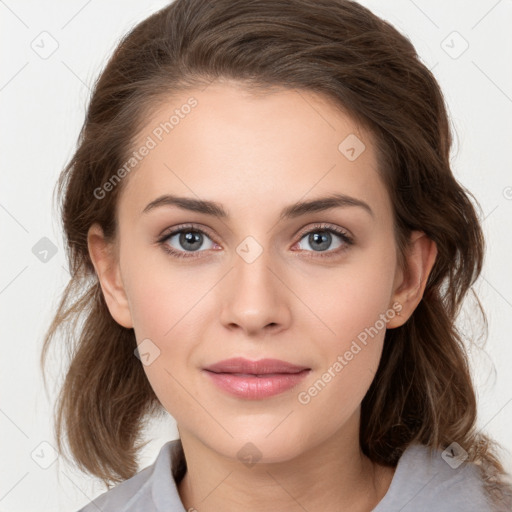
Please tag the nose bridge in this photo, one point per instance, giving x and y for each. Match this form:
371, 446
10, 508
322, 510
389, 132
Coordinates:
256, 297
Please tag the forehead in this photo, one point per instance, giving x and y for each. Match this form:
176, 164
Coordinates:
250, 150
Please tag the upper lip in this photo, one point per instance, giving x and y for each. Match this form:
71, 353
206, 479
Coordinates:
261, 367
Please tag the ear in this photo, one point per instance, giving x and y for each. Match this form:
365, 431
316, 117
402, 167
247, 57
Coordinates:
410, 283
105, 260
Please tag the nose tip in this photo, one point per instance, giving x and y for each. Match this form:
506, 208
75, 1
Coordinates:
253, 321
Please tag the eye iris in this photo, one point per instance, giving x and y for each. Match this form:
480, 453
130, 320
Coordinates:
320, 239
190, 237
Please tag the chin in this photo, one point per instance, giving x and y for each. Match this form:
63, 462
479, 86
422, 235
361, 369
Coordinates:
260, 447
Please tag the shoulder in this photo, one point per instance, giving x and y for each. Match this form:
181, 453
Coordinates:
427, 479
151, 489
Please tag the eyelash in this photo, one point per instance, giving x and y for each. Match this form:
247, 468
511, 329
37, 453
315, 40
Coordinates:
348, 240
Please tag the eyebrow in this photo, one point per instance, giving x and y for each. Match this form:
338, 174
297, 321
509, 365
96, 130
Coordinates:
290, 212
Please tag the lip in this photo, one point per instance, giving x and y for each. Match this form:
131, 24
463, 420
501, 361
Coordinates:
255, 380
260, 367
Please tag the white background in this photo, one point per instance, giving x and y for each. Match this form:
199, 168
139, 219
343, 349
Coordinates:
43, 103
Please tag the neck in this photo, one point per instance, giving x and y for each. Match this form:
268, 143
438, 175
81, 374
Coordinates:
332, 476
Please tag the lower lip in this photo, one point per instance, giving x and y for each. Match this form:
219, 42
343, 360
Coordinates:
252, 387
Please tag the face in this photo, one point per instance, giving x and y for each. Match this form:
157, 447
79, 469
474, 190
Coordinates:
313, 287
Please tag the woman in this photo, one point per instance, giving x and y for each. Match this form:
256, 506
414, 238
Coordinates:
268, 243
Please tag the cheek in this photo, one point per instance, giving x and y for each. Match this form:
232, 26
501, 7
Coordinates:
354, 306
350, 298
165, 304
160, 295
349, 357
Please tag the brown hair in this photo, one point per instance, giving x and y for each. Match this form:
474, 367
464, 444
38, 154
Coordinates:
423, 389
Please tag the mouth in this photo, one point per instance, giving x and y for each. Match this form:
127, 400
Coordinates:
256, 375
262, 367
255, 380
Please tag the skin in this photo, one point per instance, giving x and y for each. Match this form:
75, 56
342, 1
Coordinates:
256, 155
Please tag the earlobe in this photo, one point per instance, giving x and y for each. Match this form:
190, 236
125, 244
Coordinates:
420, 259
106, 264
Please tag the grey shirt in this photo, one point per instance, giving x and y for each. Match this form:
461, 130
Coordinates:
421, 483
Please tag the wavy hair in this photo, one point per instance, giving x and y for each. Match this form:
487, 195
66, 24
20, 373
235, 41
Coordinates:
423, 389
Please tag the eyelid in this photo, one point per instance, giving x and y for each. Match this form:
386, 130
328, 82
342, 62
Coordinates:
324, 226
182, 227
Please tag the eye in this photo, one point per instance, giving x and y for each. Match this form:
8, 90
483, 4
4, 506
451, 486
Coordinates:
183, 241
321, 239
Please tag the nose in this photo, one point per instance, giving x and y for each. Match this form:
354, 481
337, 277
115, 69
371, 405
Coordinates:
254, 296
